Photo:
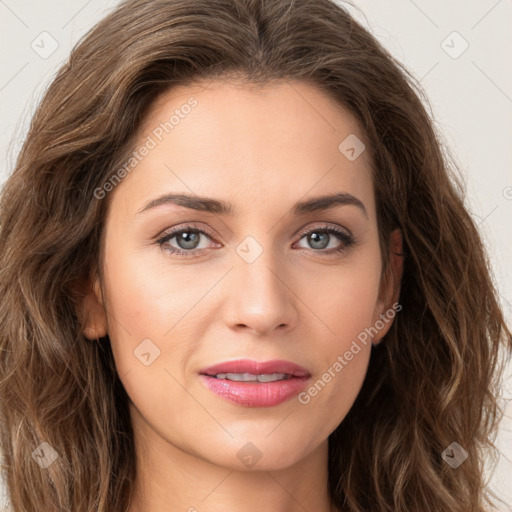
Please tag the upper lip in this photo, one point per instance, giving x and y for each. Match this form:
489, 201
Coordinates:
257, 367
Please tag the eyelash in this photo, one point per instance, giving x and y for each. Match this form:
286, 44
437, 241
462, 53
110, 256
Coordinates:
342, 235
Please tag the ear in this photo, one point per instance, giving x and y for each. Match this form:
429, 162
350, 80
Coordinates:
389, 293
91, 308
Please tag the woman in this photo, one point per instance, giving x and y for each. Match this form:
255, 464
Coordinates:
237, 273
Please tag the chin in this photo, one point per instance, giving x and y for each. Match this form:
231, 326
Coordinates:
260, 455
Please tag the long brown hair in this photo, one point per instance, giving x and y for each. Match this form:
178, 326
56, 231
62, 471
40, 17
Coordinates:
432, 381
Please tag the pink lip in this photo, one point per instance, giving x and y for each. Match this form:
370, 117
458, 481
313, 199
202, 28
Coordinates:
260, 394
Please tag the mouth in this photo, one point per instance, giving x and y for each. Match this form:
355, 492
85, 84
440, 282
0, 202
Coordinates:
255, 384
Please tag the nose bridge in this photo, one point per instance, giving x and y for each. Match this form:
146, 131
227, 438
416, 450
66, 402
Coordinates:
260, 298
257, 265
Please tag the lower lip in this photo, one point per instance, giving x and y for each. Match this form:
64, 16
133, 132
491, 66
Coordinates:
255, 394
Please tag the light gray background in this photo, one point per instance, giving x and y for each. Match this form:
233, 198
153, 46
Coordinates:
470, 95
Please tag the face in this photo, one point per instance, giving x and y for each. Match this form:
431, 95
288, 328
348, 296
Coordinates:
277, 277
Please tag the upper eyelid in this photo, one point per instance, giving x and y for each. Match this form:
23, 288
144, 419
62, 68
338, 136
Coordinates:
171, 232
326, 226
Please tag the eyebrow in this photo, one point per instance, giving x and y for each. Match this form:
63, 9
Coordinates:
216, 206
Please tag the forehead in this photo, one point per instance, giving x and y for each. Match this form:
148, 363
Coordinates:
265, 144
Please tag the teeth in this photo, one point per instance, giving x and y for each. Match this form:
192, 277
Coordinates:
271, 377
249, 377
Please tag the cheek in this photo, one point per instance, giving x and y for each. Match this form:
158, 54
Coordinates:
345, 298
346, 302
149, 308
345, 356
142, 303
151, 299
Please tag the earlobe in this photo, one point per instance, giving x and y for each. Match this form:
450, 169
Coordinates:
389, 293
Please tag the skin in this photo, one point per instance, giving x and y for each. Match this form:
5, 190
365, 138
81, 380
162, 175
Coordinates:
262, 150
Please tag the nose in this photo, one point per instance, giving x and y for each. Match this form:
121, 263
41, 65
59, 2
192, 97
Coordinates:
261, 300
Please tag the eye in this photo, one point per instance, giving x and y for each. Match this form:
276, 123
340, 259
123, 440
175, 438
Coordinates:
188, 239
320, 238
